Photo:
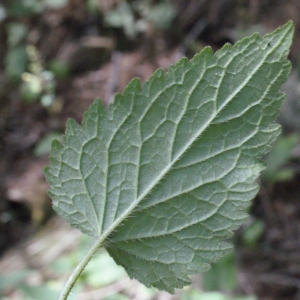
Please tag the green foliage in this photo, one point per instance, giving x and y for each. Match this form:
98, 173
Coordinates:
252, 234
222, 275
161, 14
59, 69
124, 16
38, 83
164, 176
16, 33
44, 145
16, 59
23, 8
26, 8
277, 159
109, 271
17, 280
196, 295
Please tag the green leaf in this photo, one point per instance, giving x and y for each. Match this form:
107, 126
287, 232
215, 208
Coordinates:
281, 153
222, 276
44, 144
164, 176
195, 295
253, 233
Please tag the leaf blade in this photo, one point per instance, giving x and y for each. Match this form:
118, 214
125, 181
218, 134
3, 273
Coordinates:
168, 171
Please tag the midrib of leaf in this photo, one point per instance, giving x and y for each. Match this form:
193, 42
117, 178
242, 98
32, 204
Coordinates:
130, 209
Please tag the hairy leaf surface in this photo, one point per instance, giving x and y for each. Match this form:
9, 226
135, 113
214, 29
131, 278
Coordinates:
165, 174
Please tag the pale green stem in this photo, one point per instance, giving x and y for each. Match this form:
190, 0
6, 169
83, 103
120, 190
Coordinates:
80, 267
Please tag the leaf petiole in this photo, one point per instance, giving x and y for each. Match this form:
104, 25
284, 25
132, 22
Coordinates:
80, 267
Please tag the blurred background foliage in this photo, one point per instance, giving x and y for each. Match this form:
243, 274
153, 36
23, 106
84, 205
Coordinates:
56, 57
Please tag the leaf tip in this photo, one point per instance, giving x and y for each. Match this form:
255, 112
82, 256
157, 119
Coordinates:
287, 29
289, 25
285, 33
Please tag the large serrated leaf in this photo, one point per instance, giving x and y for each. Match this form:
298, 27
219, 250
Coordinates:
165, 174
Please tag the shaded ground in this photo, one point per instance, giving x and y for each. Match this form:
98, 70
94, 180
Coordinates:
102, 60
